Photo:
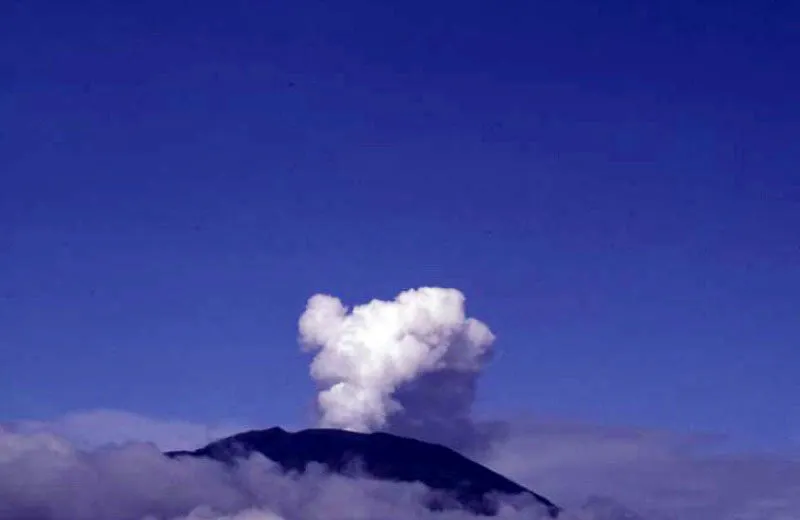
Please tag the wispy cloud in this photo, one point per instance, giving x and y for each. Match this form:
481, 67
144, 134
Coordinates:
95, 428
656, 473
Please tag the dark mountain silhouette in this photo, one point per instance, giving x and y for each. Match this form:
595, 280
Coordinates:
458, 480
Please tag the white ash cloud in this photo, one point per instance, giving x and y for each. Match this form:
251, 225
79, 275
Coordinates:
409, 366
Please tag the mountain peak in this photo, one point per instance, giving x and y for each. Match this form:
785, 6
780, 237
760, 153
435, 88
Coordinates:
380, 455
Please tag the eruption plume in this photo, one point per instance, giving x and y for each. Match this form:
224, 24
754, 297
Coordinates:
409, 366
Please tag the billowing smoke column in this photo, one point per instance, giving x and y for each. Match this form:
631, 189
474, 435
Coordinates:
408, 366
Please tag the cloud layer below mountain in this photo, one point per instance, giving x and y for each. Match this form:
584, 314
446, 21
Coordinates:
657, 474
661, 476
44, 477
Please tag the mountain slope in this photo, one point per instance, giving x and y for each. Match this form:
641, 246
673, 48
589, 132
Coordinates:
381, 455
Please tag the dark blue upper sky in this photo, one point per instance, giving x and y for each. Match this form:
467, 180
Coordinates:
614, 185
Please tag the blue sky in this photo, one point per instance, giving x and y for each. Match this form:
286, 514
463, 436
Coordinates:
615, 189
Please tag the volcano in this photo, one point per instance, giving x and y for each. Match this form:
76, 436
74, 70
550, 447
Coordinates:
455, 480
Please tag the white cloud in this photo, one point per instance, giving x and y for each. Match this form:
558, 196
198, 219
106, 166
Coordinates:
45, 478
94, 428
657, 474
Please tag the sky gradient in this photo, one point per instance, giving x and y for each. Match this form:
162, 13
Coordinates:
616, 191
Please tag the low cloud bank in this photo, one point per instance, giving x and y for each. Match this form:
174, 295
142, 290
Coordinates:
657, 474
90, 429
660, 476
44, 477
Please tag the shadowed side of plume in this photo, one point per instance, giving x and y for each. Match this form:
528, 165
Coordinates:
380, 455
